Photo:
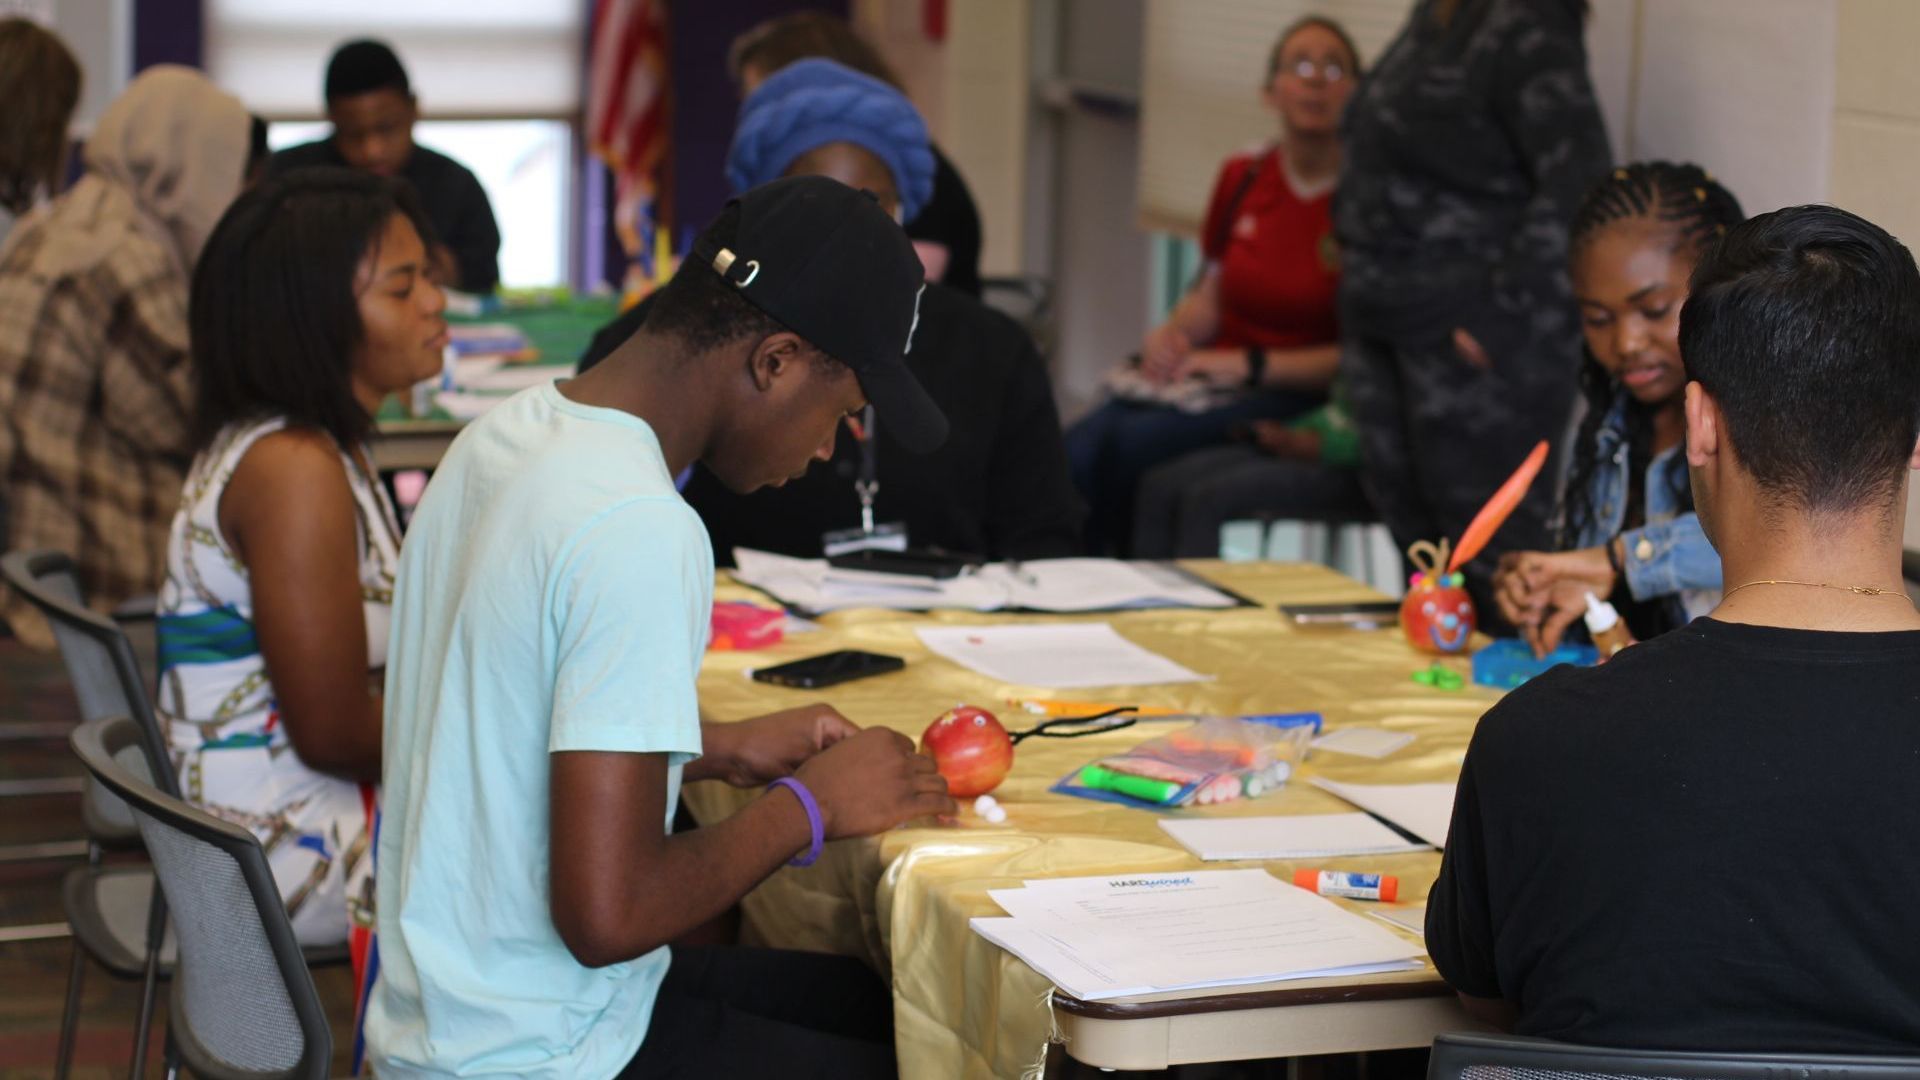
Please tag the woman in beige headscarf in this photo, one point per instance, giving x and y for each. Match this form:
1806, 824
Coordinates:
94, 372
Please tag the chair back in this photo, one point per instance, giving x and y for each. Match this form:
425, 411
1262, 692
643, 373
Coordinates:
244, 1003
100, 662
1027, 300
1462, 1056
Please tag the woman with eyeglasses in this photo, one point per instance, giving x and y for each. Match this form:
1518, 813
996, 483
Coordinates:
1259, 321
1469, 146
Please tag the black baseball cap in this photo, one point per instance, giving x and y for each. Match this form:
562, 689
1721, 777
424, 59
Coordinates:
823, 260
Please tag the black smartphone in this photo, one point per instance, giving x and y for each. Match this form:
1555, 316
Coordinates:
829, 669
914, 562
1363, 615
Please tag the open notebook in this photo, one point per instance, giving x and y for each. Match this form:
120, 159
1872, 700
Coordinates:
1049, 585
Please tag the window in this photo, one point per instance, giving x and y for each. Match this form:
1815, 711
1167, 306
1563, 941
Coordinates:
499, 82
467, 58
526, 167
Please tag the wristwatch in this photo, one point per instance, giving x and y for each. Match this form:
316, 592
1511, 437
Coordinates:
1256, 365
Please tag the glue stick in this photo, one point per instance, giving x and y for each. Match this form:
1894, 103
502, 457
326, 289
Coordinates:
1604, 626
1352, 886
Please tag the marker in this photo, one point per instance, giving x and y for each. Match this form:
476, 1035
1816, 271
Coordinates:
1159, 792
1351, 886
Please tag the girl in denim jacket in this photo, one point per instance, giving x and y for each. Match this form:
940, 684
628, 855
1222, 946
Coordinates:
1627, 530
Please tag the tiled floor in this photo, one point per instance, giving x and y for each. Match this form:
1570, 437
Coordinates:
33, 975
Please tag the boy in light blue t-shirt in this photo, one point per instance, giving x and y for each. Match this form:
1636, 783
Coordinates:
549, 619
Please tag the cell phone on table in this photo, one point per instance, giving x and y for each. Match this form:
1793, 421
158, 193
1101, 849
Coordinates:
829, 669
914, 562
1363, 615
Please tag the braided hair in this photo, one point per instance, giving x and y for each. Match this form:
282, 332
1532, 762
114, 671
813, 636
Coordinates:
1687, 200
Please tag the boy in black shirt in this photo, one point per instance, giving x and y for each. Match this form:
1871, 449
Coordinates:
1711, 843
371, 104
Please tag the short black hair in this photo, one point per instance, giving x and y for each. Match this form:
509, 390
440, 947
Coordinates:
273, 315
1804, 325
362, 66
699, 308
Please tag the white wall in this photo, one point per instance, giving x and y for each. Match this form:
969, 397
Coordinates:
1876, 128
1743, 87
100, 33
984, 125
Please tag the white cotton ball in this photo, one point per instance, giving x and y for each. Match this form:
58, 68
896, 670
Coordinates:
984, 805
995, 814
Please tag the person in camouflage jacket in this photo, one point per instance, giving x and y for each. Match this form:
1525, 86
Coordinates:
1469, 147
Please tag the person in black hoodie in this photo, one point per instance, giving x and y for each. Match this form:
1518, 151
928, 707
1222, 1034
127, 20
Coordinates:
999, 486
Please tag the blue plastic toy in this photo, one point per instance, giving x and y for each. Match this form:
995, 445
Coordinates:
1508, 662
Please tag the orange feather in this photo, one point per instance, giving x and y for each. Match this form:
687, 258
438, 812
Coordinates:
1498, 509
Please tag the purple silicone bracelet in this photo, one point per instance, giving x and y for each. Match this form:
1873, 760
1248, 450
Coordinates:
813, 819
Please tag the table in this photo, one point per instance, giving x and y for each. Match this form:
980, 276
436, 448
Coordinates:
560, 328
963, 1007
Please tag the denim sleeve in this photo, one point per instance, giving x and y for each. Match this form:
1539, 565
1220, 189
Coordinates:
1668, 557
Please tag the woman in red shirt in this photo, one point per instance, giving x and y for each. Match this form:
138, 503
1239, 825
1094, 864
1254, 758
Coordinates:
1261, 315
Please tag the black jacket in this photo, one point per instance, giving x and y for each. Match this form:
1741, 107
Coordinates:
999, 486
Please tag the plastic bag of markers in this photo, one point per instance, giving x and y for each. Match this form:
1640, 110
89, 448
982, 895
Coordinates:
1219, 759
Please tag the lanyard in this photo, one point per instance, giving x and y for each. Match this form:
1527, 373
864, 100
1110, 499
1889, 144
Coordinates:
867, 485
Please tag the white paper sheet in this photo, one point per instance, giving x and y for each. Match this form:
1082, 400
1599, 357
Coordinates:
1297, 836
1408, 917
1130, 934
1054, 656
1059, 585
1425, 810
463, 406
1067, 585
806, 584
506, 378
1363, 742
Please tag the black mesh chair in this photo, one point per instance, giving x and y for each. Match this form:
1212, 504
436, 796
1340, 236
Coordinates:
1507, 1057
244, 1006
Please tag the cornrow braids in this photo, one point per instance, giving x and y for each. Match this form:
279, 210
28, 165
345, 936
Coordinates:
1699, 209
1684, 197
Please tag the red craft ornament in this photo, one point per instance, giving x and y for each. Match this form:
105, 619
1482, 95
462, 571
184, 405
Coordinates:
1437, 614
971, 750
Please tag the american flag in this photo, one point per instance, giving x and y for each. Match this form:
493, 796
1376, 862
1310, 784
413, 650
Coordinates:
627, 119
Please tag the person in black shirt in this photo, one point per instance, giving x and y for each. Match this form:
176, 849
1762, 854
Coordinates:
946, 230
1711, 842
371, 105
999, 486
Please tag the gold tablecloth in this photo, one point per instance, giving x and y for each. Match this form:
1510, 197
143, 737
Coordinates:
963, 1007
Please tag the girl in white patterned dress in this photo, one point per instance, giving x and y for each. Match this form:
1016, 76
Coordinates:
311, 303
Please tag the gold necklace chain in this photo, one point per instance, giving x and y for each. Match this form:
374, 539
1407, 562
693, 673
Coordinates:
1857, 590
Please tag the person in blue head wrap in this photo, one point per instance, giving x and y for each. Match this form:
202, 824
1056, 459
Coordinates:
999, 487
817, 109
945, 229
